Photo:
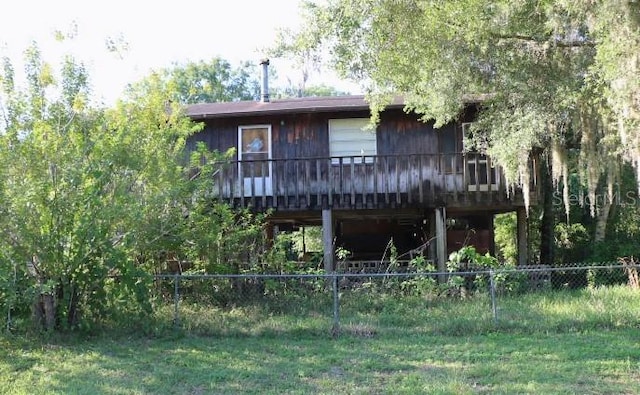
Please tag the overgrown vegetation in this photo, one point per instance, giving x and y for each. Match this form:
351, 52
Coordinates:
94, 200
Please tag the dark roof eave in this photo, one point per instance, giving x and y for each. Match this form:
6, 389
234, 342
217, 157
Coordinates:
287, 111
282, 107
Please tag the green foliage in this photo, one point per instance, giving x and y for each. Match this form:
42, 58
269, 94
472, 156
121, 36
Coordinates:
623, 231
342, 253
505, 234
214, 237
93, 200
472, 271
572, 243
15, 294
311, 236
205, 82
307, 91
420, 285
468, 258
575, 242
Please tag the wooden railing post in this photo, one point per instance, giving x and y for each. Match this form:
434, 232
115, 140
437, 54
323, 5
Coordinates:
307, 182
319, 183
397, 179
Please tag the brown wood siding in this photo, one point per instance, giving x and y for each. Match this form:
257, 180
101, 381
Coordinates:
400, 133
218, 135
307, 135
406, 172
293, 135
300, 136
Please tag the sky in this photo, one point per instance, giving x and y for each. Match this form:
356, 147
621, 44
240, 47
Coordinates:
156, 34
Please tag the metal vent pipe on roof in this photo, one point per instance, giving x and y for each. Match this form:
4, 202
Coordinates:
265, 81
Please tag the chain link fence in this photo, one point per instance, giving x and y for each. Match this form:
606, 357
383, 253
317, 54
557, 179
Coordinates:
370, 299
529, 298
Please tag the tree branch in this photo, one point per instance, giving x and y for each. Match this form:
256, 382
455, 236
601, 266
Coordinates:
556, 42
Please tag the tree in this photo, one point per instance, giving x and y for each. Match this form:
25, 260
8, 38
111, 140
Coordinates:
308, 91
208, 82
554, 77
204, 233
80, 188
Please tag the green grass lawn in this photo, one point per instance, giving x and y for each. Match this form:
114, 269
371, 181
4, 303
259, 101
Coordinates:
585, 342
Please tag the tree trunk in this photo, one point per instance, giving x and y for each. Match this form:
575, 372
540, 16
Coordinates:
547, 223
48, 302
73, 314
44, 311
602, 218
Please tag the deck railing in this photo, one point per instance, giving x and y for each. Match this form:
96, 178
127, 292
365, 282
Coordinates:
360, 181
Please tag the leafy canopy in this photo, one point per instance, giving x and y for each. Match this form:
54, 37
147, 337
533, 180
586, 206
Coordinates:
82, 190
210, 81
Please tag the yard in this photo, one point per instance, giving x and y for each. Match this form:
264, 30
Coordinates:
584, 341
604, 362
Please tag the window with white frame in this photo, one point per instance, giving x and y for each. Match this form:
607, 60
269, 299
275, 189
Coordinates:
254, 150
350, 138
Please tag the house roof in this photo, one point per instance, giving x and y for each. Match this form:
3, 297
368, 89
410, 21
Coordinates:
283, 106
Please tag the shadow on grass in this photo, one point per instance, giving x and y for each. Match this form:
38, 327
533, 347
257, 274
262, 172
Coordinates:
195, 365
578, 341
550, 342
590, 362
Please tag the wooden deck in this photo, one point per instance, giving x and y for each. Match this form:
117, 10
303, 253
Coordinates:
364, 182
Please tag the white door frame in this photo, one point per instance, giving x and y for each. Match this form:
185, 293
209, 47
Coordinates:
255, 141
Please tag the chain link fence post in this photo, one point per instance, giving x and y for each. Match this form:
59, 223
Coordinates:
335, 330
176, 300
492, 286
